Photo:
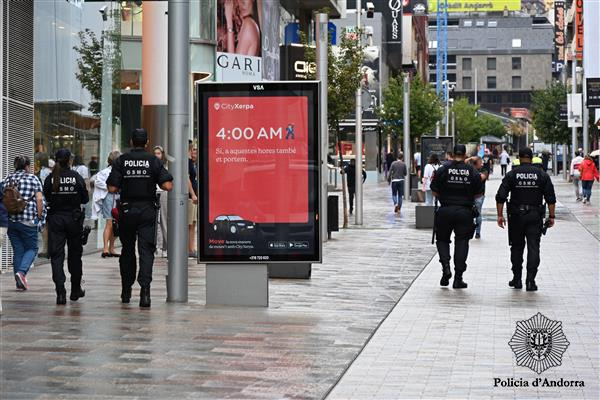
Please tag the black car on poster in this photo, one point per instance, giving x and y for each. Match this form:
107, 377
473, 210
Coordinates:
232, 224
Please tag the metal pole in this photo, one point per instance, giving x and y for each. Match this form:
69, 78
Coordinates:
446, 128
475, 102
178, 106
453, 123
437, 129
574, 92
406, 126
322, 43
358, 178
554, 159
565, 150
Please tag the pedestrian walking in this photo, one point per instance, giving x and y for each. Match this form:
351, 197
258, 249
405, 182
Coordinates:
589, 172
192, 200
47, 164
417, 162
349, 170
161, 233
104, 202
456, 185
528, 186
395, 178
65, 192
389, 159
482, 168
576, 175
3, 226
432, 165
135, 174
504, 161
24, 202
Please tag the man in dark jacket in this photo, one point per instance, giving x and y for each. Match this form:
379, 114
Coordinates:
350, 171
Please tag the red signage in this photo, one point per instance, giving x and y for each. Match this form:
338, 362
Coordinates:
579, 29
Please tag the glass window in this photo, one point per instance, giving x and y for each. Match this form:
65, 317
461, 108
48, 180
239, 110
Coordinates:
516, 63
480, 23
492, 24
202, 19
466, 83
466, 64
468, 23
516, 82
516, 43
491, 82
491, 63
467, 43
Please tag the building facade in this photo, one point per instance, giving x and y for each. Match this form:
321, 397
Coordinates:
502, 59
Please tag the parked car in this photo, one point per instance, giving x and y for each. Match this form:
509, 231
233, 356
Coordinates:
232, 224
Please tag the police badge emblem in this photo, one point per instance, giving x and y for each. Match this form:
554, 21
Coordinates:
539, 343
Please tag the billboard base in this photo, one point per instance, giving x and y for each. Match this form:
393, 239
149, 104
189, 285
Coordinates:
290, 271
244, 285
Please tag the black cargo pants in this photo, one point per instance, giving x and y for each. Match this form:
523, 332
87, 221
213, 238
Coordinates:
457, 219
525, 228
65, 227
137, 221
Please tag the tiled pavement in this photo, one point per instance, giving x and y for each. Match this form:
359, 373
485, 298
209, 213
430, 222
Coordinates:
443, 343
297, 348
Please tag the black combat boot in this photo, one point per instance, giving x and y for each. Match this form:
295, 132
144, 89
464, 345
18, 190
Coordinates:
446, 275
516, 282
125, 294
458, 281
76, 291
145, 297
61, 295
530, 285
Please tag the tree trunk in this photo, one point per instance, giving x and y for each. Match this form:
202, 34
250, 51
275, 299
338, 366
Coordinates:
344, 184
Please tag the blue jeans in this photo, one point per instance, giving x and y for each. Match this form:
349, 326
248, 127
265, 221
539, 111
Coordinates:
24, 241
428, 197
586, 188
479, 205
397, 189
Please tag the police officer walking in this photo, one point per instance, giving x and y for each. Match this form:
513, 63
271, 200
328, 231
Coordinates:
528, 186
455, 185
135, 174
65, 192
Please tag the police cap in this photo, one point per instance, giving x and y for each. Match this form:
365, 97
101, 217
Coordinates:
460, 150
139, 135
63, 154
525, 152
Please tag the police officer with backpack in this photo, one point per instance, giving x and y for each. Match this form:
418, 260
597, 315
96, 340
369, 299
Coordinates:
135, 175
455, 185
528, 186
65, 192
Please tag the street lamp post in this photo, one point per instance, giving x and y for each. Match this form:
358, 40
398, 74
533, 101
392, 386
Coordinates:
358, 170
406, 126
322, 43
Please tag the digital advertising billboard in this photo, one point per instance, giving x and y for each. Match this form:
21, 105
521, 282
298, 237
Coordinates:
259, 172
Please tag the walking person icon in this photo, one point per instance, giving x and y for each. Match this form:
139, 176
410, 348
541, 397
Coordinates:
290, 132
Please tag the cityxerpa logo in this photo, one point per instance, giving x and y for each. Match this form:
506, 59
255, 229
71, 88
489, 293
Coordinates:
539, 343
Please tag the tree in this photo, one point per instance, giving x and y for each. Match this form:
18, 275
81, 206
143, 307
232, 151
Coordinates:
425, 108
489, 125
89, 66
343, 78
546, 114
468, 127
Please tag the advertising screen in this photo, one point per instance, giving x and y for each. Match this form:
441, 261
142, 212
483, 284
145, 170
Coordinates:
439, 146
259, 172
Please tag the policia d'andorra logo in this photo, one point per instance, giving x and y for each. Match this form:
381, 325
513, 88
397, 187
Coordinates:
539, 343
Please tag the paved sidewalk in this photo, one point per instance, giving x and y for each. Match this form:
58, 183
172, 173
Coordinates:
98, 348
443, 343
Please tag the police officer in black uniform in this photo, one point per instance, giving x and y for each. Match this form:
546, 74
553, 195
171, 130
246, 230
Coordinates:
455, 185
528, 185
135, 174
65, 192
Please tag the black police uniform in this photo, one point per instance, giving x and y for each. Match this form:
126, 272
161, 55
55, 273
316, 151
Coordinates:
136, 174
457, 184
528, 185
65, 225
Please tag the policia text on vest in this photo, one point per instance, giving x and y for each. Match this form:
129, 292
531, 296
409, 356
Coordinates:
455, 185
528, 187
65, 192
135, 175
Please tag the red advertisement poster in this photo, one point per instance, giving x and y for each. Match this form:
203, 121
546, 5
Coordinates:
258, 158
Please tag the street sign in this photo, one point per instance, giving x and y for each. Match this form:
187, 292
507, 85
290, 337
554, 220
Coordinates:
593, 92
575, 110
260, 163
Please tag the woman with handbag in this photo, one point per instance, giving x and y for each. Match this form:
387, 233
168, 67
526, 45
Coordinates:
104, 202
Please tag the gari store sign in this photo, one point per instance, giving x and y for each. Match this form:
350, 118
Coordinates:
474, 6
238, 68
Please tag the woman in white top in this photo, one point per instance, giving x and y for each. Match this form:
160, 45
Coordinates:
104, 202
432, 165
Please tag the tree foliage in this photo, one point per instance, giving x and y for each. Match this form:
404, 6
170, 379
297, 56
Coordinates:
89, 66
546, 109
425, 108
466, 120
489, 125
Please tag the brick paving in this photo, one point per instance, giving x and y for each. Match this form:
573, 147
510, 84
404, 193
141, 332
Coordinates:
441, 343
98, 348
